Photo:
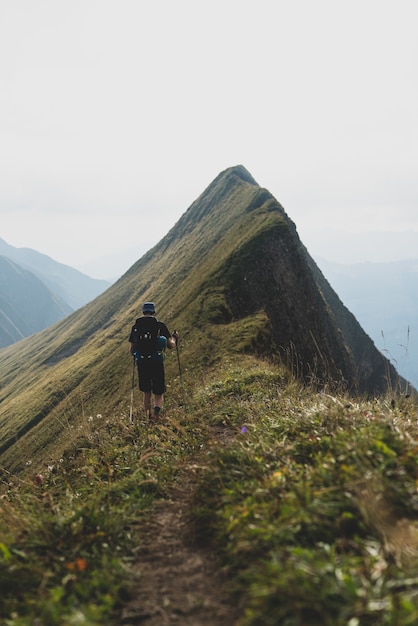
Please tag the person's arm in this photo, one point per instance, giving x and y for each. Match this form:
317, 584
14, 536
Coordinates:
131, 340
171, 338
171, 341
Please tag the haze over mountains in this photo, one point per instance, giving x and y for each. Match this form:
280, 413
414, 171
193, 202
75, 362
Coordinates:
233, 276
70, 284
384, 299
26, 303
36, 291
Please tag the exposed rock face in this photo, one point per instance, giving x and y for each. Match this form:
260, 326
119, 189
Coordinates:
273, 271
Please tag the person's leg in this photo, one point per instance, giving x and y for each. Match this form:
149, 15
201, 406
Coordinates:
158, 404
147, 403
158, 386
145, 385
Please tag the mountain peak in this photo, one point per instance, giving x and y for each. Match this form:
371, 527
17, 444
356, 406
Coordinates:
241, 172
235, 255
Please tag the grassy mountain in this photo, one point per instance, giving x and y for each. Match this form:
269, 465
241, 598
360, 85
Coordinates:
233, 276
306, 495
72, 286
26, 304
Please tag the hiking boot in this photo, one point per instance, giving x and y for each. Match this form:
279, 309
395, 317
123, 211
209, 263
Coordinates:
153, 418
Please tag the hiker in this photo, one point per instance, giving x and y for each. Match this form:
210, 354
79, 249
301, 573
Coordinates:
149, 337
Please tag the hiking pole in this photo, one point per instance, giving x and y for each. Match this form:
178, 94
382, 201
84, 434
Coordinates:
181, 377
132, 390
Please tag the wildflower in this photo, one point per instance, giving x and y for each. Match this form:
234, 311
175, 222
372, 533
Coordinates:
277, 477
79, 565
244, 429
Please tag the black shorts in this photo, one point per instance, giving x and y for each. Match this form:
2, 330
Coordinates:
151, 375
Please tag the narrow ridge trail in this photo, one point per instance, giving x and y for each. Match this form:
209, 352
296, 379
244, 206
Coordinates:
178, 581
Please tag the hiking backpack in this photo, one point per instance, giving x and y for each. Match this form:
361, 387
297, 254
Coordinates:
146, 331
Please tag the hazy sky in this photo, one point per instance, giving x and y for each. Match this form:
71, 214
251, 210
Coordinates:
116, 114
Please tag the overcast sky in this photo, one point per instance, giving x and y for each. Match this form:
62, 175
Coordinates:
116, 114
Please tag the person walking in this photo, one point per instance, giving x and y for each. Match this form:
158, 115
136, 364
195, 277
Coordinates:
148, 338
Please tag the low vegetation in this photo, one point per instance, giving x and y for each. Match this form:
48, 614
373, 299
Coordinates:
310, 500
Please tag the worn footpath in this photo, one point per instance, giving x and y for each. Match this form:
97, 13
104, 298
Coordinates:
178, 581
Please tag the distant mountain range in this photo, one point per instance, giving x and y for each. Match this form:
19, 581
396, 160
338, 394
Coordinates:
26, 303
384, 299
36, 291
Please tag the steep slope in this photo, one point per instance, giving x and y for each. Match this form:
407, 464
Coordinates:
232, 276
72, 286
26, 304
251, 264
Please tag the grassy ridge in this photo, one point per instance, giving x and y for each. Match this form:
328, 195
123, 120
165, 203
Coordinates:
80, 364
310, 500
314, 506
230, 275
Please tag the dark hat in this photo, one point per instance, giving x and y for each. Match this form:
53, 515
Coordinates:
148, 307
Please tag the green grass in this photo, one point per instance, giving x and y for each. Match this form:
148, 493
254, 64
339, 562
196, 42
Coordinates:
310, 500
314, 506
65, 544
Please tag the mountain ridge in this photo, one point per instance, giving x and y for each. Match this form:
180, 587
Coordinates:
233, 276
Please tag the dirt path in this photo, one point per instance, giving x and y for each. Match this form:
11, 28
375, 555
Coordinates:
178, 582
